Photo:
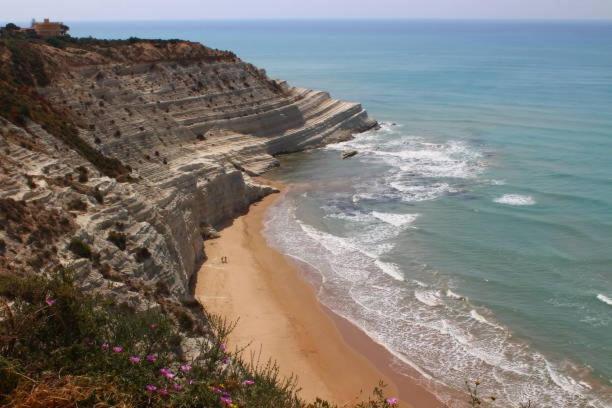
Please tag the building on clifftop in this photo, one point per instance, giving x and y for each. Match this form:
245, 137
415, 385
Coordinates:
49, 28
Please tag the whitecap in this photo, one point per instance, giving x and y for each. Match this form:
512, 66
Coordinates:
604, 299
412, 192
354, 217
453, 295
428, 297
478, 317
397, 220
515, 199
390, 269
495, 182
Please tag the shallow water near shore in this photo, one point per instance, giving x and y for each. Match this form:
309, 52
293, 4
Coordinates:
472, 233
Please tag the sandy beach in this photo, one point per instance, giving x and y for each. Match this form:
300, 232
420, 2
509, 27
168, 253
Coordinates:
280, 318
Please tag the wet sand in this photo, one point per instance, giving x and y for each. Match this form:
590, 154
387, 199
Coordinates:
280, 318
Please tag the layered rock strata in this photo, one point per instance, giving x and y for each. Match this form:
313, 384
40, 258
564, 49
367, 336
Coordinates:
193, 125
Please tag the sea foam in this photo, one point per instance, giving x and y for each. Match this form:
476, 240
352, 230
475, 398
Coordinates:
390, 269
418, 170
515, 199
397, 220
478, 317
453, 295
428, 297
360, 286
356, 284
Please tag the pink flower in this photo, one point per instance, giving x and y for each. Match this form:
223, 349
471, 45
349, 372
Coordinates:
217, 390
105, 346
190, 382
151, 358
392, 401
118, 349
151, 388
166, 373
152, 326
248, 382
163, 392
226, 400
222, 347
135, 359
185, 368
177, 386
49, 301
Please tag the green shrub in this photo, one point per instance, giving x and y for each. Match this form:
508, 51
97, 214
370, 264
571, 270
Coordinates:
83, 174
80, 248
142, 254
77, 204
56, 42
118, 238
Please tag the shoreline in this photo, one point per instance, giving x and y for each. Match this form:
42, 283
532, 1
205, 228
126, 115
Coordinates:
280, 318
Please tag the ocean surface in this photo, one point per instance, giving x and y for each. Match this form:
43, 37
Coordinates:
472, 234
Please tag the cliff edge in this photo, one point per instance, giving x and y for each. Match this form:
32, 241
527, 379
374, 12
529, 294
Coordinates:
118, 158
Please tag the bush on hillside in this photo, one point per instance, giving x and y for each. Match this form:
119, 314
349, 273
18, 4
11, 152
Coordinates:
118, 238
80, 248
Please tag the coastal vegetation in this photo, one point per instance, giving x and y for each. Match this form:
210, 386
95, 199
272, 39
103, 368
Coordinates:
61, 347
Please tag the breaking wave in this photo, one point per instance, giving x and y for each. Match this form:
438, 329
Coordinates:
478, 317
418, 170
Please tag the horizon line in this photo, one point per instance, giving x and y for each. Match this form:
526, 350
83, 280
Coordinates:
450, 19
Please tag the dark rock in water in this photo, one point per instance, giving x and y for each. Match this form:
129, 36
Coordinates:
346, 155
394, 124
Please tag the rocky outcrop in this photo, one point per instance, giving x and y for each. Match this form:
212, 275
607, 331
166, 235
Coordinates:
193, 125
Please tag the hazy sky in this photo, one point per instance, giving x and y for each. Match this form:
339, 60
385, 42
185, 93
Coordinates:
24, 10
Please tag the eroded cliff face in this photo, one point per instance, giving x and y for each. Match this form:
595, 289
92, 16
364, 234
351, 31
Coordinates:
192, 124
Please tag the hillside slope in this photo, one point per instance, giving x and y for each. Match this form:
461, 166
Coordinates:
118, 158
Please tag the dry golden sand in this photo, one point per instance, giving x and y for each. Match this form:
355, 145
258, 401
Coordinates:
280, 318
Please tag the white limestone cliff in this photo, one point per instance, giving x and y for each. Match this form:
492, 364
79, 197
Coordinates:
193, 124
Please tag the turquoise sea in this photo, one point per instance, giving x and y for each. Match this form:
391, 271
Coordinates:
472, 234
